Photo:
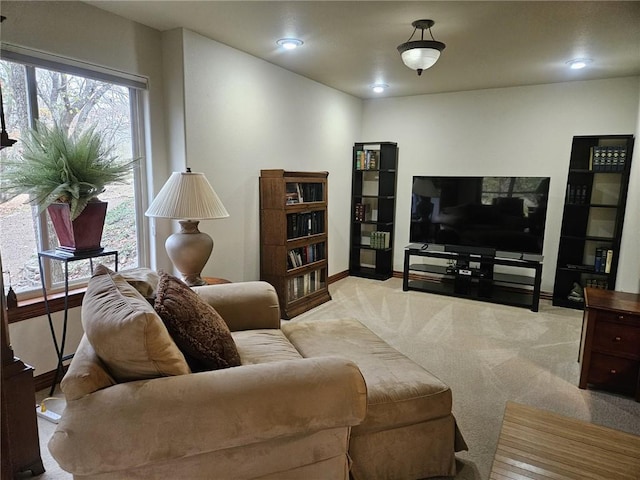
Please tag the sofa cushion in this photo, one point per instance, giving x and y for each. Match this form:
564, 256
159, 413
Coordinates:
399, 391
196, 327
125, 331
263, 346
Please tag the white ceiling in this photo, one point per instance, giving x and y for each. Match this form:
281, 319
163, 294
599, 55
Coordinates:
352, 45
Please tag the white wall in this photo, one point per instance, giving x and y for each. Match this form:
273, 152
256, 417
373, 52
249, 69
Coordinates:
243, 114
629, 270
507, 131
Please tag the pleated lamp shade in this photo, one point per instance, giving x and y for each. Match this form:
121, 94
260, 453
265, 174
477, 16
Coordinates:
187, 195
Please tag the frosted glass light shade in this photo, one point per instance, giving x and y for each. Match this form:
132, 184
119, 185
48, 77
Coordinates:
187, 195
420, 58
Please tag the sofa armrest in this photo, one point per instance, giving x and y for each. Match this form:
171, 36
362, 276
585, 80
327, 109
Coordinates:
244, 305
133, 424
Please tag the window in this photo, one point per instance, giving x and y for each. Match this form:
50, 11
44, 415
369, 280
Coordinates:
75, 99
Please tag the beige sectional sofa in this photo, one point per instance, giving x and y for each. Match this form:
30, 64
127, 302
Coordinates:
297, 407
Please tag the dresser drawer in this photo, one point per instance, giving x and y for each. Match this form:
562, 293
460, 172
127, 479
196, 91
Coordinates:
617, 338
613, 372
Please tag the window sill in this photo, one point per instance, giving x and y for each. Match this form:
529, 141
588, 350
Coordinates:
35, 307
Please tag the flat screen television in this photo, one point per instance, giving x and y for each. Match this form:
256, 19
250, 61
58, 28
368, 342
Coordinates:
504, 214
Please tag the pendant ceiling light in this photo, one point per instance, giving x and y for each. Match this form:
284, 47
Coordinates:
421, 54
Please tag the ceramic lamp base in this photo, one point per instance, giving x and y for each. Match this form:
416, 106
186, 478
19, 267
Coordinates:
189, 250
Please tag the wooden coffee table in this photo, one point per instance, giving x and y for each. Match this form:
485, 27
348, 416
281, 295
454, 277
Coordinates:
535, 444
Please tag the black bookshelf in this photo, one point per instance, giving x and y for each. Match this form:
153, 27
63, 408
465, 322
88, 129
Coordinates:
373, 203
593, 216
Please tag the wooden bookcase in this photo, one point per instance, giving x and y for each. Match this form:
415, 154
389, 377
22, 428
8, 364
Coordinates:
593, 216
293, 238
373, 206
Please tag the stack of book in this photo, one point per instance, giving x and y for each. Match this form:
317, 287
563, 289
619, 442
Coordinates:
303, 192
597, 283
380, 240
303, 285
603, 259
360, 212
304, 224
608, 159
298, 257
367, 159
577, 193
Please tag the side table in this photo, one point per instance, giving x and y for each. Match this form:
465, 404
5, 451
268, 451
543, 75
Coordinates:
610, 344
66, 258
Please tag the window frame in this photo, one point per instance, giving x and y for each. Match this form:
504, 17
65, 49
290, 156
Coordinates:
31, 302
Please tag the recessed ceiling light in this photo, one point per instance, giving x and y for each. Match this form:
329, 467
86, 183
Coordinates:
379, 87
289, 43
578, 63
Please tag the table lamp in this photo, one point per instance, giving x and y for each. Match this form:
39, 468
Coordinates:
188, 197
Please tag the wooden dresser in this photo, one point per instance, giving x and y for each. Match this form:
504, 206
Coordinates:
610, 346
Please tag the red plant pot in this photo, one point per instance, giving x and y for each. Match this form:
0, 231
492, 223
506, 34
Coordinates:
82, 235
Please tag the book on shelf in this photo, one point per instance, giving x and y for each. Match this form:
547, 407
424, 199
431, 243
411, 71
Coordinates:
298, 257
615, 159
597, 262
608, 159
597, 283
622, 158
608, 260
360, 160
304, 224
577, 194
581, 194
594, 160
380, 240
368, 158
373, 158
303, 285
303, 192
602, 260
360, 212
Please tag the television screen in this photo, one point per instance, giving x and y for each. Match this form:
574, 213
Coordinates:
500, 213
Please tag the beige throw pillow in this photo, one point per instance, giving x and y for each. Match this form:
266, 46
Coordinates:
125, 331
198, 330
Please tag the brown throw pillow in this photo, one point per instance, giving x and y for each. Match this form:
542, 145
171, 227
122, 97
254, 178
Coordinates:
198, 330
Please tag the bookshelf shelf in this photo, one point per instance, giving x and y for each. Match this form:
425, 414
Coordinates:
593, 216
293, 238
373, 198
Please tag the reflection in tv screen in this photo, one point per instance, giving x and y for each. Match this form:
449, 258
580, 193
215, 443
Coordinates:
500, 213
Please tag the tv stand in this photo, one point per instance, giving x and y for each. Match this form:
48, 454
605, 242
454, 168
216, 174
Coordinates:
469, 275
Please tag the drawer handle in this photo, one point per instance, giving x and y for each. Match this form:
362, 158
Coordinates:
617, 339
613, 371
620, 317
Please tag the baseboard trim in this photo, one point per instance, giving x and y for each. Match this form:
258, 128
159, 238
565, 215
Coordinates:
338, 276
45, 380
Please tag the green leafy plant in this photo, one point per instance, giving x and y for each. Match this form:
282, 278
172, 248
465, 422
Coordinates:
57, 166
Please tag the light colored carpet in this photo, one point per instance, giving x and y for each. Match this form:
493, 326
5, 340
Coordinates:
486, 353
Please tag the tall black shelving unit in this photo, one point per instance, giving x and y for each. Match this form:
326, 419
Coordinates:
593, 216
373, 205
